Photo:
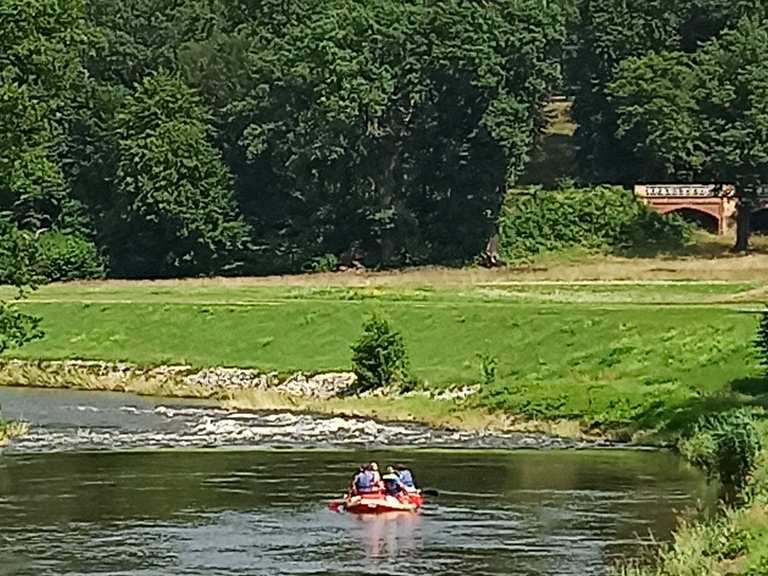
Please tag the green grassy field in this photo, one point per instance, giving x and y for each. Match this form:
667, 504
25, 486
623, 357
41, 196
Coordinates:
612, 354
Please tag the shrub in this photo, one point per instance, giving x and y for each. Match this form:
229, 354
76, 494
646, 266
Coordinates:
19, 254
488, 366
68, 257
761, 342
601, 218
651, 231
726, 446
325, 263
379, 357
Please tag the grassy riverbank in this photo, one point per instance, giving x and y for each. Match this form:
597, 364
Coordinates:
615, 347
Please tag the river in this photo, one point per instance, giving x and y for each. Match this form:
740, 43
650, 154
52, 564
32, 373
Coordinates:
115, 484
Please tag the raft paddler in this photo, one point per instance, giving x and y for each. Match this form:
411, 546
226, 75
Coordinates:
367, 481
375, 476
406, 477
392, 484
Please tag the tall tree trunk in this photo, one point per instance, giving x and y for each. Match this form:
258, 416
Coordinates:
743, 217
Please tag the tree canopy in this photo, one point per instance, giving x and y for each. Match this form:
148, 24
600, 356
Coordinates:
209, 136
193, 137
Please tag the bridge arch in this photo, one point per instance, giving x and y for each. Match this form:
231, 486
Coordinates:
701, 217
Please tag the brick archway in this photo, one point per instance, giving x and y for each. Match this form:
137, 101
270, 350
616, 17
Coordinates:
715, 201
708, 217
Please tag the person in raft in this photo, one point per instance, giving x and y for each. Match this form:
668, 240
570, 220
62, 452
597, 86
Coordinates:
356, 480
367, 480
392, 484
406, 477
376, 477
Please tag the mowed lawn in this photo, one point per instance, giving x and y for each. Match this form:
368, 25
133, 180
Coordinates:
604, 352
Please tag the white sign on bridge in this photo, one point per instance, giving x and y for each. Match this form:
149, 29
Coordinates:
684, 190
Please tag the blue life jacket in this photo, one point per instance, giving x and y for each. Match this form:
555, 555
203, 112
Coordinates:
364, 481
406, 478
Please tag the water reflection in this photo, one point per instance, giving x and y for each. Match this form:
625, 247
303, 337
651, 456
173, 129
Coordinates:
393, 536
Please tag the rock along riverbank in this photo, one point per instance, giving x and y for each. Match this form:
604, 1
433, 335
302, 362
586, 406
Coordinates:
240, 388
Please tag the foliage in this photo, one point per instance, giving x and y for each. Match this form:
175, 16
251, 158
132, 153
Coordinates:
212, 136
387, 128
40, 69
602, 218
379, 357
16, 327
736, 536
761, 342
698, 115
726, 446
173, 212
19, 254
488, 368
65, 257
18, 258
325, 263
610, 33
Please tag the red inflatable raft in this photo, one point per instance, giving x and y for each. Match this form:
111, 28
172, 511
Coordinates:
378, 503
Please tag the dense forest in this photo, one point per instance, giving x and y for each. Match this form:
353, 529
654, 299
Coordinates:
160, 138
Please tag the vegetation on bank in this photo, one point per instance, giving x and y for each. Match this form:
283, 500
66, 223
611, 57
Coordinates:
734, 541
11, 430
604, 219
732, 447
619, 356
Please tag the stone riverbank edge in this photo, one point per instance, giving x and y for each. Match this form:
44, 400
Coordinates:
325, 393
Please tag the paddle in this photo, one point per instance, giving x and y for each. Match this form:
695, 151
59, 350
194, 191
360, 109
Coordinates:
430, 492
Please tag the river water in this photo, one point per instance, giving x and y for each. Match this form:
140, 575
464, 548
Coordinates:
119, 485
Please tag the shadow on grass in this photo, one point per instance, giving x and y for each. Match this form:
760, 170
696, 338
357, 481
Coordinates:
703, 245
680, 418
753, 386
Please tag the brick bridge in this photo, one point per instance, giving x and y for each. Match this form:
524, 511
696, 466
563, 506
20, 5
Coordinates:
713, 206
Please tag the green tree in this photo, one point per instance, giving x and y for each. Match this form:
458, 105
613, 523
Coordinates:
607, 33
40, 69
379, 357
18, 259
173, 210
388, 126
701, 115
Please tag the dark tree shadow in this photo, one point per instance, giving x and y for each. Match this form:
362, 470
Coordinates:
680, 418
751, 386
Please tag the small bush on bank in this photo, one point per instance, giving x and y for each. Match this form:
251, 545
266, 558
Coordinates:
602, 218
379, 357
65, 257
726, 446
